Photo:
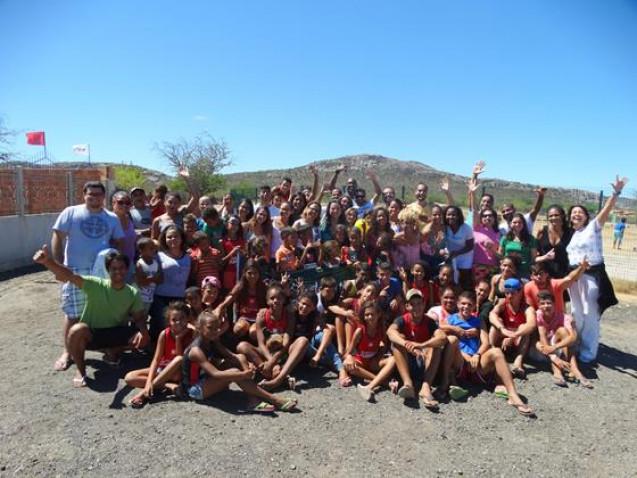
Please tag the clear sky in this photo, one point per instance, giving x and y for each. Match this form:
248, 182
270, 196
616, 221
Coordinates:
545, 91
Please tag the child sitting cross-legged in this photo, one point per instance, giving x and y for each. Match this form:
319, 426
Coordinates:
417, 345
469, 355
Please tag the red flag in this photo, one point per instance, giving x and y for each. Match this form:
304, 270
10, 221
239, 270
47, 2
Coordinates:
36, 137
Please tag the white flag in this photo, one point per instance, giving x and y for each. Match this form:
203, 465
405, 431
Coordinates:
81, 149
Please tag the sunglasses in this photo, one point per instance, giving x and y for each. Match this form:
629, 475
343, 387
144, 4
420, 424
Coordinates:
123, 203
488, 215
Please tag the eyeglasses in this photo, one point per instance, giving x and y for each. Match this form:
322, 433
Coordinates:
123, 202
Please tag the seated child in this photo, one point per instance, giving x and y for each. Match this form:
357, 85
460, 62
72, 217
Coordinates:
557, 340
330, 255
541, 281
365, 354
469, 355
273, 335
447, 306
417, 345
286, 260
209, 368
165, 368
418, 279
512, 323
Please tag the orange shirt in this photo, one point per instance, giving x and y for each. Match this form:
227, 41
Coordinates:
286, 259
531, 291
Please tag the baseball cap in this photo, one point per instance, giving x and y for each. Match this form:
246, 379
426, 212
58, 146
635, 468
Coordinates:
512, 285
137, 188
411, 293
210, 280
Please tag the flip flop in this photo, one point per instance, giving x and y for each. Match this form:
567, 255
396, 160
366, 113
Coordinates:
406, 392
586, 384
365, 392
430, 403
292, 383
263, 407
559, 382
79, 382
61, 364
457, 393
112, 362
138, 401
519, 373
288, 406
393, 386
523, 409
502, 394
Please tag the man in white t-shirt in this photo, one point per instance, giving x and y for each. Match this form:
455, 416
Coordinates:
508, 210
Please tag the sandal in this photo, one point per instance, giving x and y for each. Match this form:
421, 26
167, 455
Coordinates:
393, 386
519, 373
292, 383
559, 382
79, 382
501, 393
113, 362
263, 407
430, 403
406, 392
457, 393
586, 383
288, 406
523, 409
138, 401
62, 364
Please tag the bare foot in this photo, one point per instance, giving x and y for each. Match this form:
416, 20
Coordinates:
63, 362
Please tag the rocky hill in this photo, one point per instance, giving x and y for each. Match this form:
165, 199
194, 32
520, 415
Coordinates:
406, 174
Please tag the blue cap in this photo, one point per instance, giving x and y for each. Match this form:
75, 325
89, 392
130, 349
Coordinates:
512, 285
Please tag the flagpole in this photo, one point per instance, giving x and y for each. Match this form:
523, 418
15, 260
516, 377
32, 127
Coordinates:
89, 154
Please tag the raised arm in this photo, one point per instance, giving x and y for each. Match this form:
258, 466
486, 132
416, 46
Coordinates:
315, 183
334, 178
618, 186
539, 199
446, 189
62, 273
378, 191
193, 203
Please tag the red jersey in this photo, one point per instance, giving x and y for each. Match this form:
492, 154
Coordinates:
511, 319
276, 326
368, 346
249, 307
414, 332
170, 346
230, 271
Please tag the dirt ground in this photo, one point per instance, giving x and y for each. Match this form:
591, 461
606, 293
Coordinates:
50, 429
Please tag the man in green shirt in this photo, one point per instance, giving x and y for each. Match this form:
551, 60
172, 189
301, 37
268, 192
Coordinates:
110, 305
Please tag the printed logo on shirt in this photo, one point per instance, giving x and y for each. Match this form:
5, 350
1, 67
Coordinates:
94, 227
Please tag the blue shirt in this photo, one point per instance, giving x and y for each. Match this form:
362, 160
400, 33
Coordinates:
87, 233
176, 273
468, 345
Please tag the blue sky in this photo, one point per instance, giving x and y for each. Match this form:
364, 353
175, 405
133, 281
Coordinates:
544, 91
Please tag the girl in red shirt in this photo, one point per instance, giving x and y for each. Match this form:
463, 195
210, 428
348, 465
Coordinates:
165, 369
364, 356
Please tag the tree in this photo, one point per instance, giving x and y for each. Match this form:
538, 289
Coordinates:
6, 140
128, 177
203, 157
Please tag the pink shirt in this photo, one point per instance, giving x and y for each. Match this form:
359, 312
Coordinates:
483, 237
559, 320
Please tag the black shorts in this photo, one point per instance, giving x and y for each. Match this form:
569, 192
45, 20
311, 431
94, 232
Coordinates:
111, 337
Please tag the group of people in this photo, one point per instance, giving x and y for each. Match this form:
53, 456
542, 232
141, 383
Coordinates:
412, 297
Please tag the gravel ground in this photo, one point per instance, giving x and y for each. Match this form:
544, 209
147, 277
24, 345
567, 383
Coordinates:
49, 429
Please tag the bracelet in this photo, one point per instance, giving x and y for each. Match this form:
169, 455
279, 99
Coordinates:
617, 193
